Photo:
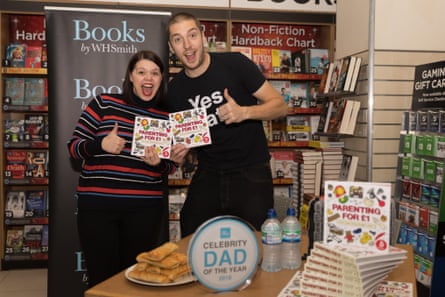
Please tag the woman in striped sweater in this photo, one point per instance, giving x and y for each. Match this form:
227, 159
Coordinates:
122, 199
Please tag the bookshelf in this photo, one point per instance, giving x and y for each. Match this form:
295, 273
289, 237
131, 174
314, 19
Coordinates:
24, 146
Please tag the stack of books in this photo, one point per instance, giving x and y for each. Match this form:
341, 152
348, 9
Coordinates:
332, 161
347, 270
307, 178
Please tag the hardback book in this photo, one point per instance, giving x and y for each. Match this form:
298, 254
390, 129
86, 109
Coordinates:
36, 91
35, 203
15, 204
190, 127
262, 57
14, 130
283, 87
37, 164
34, 125
318, 59
299, 94
336, 116
325, 116
152, 132
284, 162
299, 61
349, 74
355, 75
350, 115
348, 167
327, 85
16, 54
14, 240
245, 50
32, 238
346, 117
33, 57
336, 71
357, 213
14, 90
15, 165
343, 73
281, 61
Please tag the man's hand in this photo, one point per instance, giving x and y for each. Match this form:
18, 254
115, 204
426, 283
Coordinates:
231, 112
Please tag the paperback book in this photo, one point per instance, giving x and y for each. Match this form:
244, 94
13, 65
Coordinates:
358, 213
152, 132
190, 127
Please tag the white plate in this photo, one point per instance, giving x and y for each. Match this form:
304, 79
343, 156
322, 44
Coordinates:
189, 278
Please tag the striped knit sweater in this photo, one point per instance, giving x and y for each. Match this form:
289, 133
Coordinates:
115, 176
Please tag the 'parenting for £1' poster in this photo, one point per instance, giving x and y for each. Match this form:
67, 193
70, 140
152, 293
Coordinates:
357, 213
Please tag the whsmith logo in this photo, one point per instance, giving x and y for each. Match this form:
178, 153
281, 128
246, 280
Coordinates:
104, 40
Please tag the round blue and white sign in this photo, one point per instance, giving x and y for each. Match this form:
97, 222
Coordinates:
224, 254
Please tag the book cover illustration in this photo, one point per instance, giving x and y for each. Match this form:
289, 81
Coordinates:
190, 127
14, 131
35, 204
15, 204
262, 57
318, 59
16, 55
14, 90
281, 61
152, 132
358, 213
37, 165
33, 57
35, 91
32, 242
284, 88
14, 240
15, 166
34, 127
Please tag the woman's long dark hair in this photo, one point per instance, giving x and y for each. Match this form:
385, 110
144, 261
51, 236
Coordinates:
127, 85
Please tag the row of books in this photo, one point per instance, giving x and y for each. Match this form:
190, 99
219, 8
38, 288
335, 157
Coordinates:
291, 128
269, 60
26, 166
341, 75
26, 242
296, 94
29, 127
21, 55
422, 169
339, 116
25, 91
347, 270
26, 204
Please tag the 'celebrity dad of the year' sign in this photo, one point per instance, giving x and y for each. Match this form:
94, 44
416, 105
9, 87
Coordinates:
429, 86
224, 254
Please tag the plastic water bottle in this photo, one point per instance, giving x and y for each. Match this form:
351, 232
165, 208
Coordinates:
290, 248
271, 235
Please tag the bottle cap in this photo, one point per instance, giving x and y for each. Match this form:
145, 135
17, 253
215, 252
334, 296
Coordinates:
291, 211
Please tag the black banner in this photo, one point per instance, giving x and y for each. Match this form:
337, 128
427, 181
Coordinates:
429, 86
88, 52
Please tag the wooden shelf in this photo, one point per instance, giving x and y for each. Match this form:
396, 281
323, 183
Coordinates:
14, 70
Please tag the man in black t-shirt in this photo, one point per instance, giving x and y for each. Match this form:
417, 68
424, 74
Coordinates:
233, 175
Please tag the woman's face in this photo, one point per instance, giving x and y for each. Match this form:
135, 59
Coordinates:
146, 78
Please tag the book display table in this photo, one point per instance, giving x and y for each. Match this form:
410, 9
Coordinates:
267, 284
